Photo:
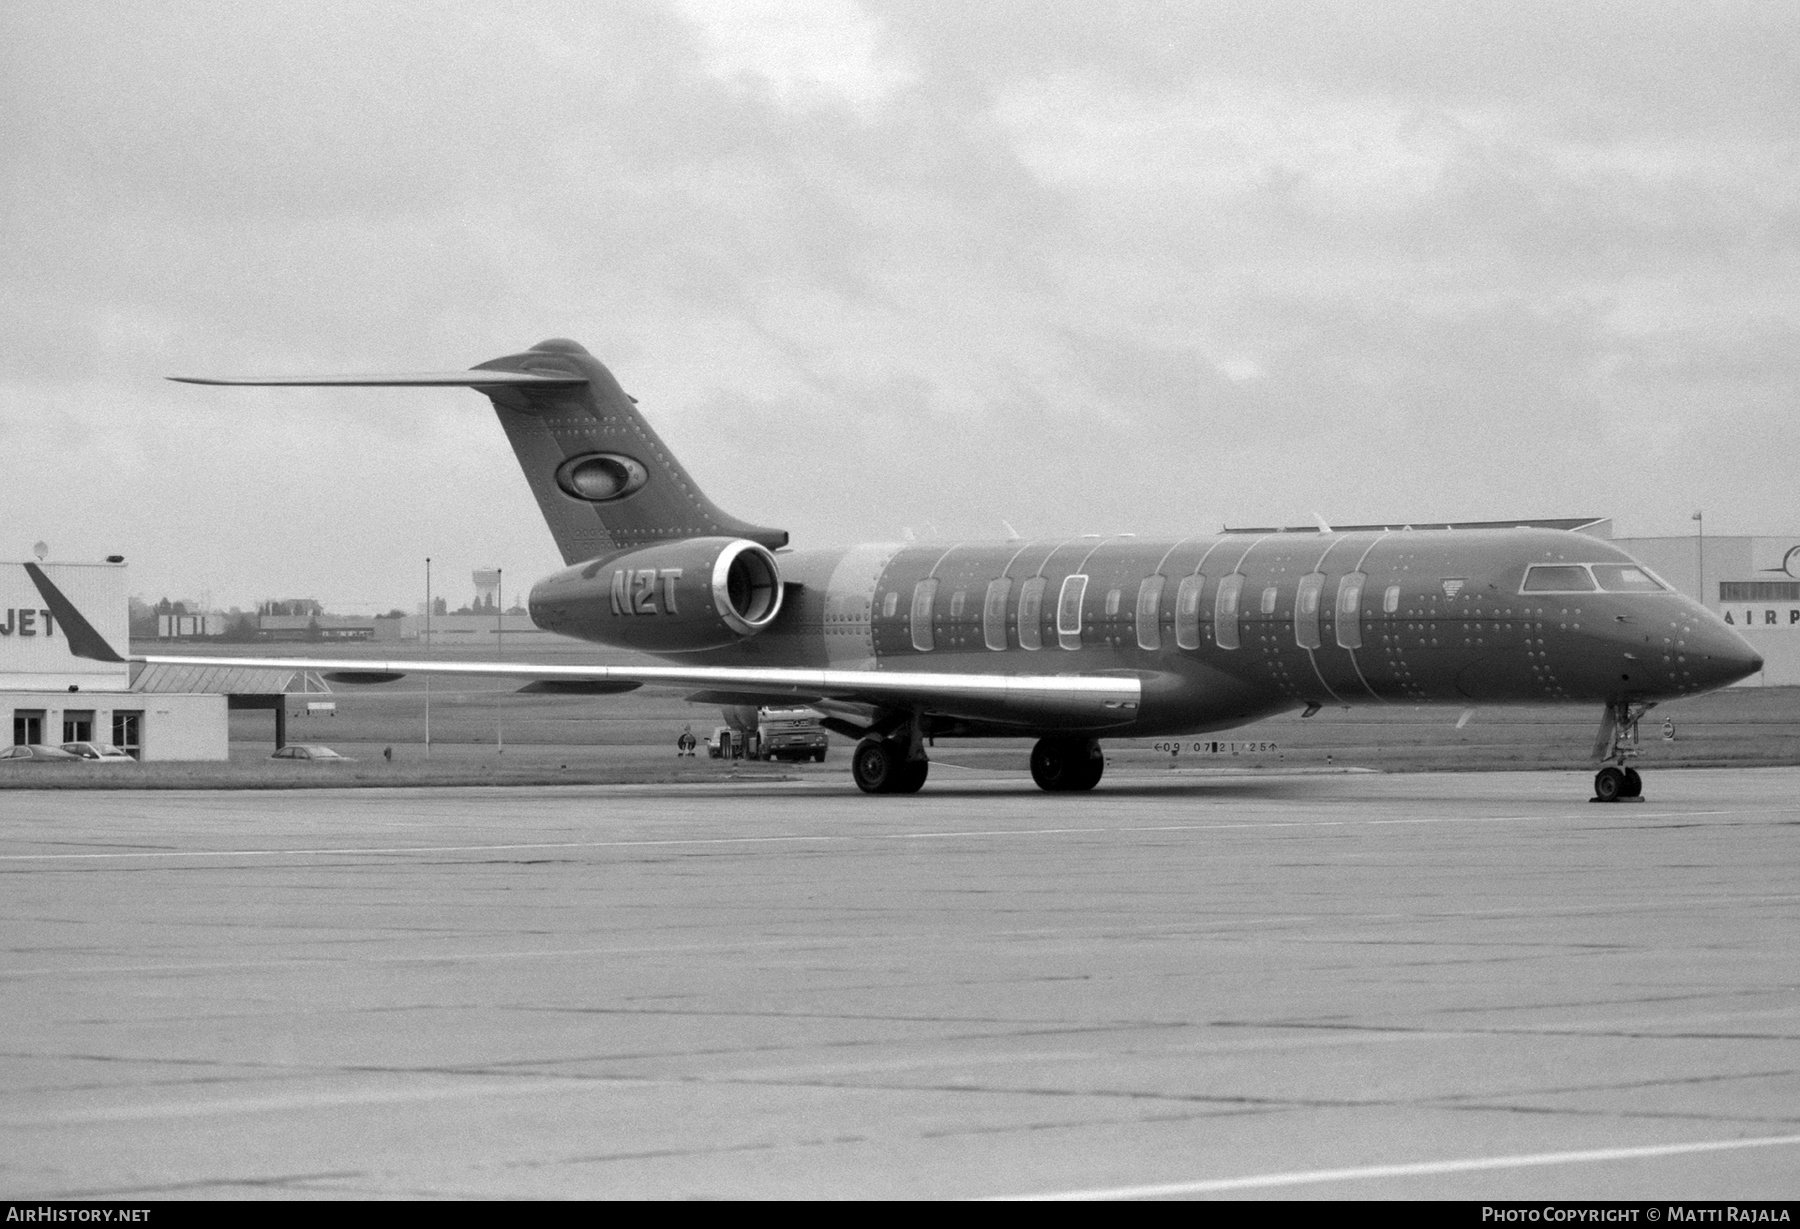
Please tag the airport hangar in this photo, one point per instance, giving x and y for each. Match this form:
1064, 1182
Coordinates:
49, 695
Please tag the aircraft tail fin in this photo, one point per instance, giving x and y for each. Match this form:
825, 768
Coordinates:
603, 478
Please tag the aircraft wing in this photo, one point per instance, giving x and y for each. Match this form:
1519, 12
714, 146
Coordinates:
1073, 700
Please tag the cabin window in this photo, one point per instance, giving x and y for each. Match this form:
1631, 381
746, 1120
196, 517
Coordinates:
958, 600
1561, 578
1390, 600
1225, 611
1113, 598
1306, 611
1149, 610
1268, 599
924, 594
890, 604
1068, 611
993, 614
1349, 610
1031, 613
1625, 578
1187, 611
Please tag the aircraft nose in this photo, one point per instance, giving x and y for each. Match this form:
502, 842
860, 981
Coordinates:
1724, 657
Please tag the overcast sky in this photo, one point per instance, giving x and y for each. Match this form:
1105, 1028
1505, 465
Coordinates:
891, 265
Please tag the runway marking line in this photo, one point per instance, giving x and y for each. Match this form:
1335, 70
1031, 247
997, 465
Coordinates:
1417, 1169
1272, 824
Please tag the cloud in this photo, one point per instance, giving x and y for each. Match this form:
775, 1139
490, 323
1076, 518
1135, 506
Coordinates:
891, 264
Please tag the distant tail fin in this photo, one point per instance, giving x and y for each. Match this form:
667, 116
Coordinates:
603, 478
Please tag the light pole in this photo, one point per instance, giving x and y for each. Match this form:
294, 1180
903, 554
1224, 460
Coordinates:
428, 653
1700, 557
499, 645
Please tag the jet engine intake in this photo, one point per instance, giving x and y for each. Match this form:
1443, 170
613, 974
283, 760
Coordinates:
701, 593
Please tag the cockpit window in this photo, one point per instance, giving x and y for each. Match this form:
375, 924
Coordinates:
1558, 578
1625, 578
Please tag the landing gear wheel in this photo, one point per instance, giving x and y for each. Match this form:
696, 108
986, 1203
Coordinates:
880, 766
911, 777
1610, 785
1064, 765
1634, 784
874, 764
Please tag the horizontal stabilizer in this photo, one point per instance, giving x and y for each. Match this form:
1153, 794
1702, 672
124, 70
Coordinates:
422, 379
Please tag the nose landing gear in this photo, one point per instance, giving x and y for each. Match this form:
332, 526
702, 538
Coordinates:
1617, 744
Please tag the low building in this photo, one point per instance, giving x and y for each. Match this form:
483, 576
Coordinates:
49, 695
309, 628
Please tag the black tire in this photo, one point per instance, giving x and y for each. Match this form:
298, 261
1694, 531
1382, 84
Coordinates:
1094, 769
1634, 784
1609, 784
1063, 765
911, 777
875, 765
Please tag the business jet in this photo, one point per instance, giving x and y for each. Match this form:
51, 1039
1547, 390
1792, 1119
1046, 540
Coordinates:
1065, 641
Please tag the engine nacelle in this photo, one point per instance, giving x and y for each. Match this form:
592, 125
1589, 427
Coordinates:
702, 593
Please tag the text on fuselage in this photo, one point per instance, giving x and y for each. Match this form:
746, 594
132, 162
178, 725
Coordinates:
634, 590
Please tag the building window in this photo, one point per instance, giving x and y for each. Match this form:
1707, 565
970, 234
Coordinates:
1759, 591
924, 594
28, 727
993, 614
1149, 611
128, 732
78, 725
1068, 611
1031, 613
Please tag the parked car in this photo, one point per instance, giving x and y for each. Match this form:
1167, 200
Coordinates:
38, 753
310, 751
101, 753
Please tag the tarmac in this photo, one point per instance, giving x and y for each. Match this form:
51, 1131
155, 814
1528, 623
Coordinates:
1466, 986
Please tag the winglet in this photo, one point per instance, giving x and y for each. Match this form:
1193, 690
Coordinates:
84, 641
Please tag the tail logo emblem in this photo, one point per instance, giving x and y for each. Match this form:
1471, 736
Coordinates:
600, 477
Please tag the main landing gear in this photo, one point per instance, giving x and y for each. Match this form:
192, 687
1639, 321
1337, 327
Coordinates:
1617, 744
888, 766
1062, 765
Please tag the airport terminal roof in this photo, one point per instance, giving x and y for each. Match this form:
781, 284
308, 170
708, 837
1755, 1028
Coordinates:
224, 680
